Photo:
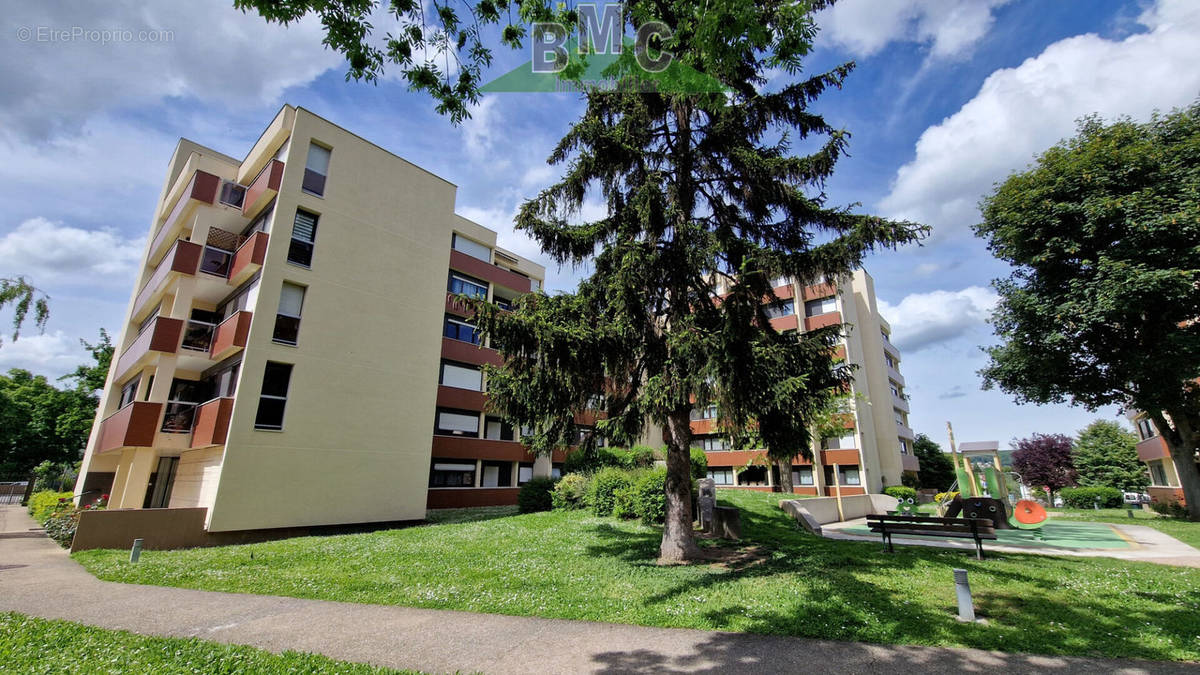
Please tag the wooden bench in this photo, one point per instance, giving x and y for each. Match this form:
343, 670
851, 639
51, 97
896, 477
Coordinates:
933, 526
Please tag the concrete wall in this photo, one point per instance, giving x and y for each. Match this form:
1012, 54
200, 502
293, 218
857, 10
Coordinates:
811, 513
196, 478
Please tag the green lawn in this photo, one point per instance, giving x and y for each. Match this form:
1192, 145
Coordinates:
29, 645
574, 565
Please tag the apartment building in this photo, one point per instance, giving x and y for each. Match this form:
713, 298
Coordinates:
1153, 452
876, 448
293, 354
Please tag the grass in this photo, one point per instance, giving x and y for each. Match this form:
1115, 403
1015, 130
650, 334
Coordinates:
29, 645
576, 566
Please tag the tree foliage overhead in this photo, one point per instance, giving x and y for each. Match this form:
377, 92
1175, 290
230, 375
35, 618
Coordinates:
937, 471
1045, 460
1106, 456
1103, 232
23, 297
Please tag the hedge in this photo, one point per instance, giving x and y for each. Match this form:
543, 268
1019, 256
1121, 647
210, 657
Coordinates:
900, 492
637, 457
535, 495
602, 491
1085, 497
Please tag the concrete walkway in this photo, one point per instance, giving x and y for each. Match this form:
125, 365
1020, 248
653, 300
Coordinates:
40, 579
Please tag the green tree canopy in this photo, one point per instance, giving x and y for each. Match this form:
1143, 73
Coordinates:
1106, 456
937, 471
23, 297
1103, 233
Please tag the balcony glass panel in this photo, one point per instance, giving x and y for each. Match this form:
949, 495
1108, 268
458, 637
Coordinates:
216, 261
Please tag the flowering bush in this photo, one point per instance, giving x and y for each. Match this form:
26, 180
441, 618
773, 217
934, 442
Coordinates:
570, 492
44, 503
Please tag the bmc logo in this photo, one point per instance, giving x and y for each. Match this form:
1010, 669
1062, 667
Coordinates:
600, 32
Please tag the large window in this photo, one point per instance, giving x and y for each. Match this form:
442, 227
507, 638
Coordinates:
129, 391
316, 167
185, 395
198, 334
304, 237
781, 308
461, 375
721, 476
496, 474
848, 475
497, 429
287, 319
891, 363
232, 194
802, 475
470, 286
451, 473
706, 413
457, 423
457, 329
471, 248
1145, 428
844, 442
710, 443
822, 306
903, 446
271, 404
1158, 475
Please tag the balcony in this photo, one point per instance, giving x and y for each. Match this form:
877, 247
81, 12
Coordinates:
263, 189
249, 258
817, 292
1152, 448
497, 275
162, 336
462, 399
890, 348
782, 323
182, 260
457, 307
821, 320
230, 335
211, 423
130, 427
909, 463
202, 189
904, 432
895, 376
460, 447
458, 350
843, 456
899, 403
704, 426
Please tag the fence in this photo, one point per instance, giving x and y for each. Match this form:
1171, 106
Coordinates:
12, 493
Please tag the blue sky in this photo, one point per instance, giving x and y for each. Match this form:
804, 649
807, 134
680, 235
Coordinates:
949, 96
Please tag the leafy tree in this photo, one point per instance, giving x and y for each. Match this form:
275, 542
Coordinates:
706, 205
1044, 460
1103, 232
30, 408
90, 377
937, 471
23, 296
1106, 456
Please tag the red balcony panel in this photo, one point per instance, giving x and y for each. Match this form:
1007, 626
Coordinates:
463, 399
497, 275
459, 447
831, 491
817, 292
248, 258
785, 292
231, 335
162, 336
203, 189
263, 188
133, 426
465, 352
804, 490
457, 498
211, 425
785, 323
910, 463
845, 457
455, 306
822, 320
1152, 449
184, 258
707, 426
735, 458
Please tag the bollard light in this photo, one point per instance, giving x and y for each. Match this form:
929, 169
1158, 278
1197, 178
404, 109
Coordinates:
1129, 512
966, 606
136, 551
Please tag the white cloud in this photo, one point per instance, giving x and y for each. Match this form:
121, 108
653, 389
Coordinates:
49, 252
922, 320
479, 131
51, 354
948, 27
1019, 112
237, 59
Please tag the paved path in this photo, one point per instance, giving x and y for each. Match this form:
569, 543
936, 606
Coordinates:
40, 579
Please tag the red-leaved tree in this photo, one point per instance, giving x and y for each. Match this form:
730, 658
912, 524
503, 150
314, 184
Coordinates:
1044, 460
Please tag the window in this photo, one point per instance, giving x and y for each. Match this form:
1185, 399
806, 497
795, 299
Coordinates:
903, 446
457, 423
273, 400
556, 471
723, 476
781, 281
315, 170
198, 334
1158, 476
802, 476
845, 442
891, 363
899, 418
710, 443
847, 475
287, 320
534, 285
129, 391
885, 335
581, 432
705, 413
261, 222
1146, 428
496, 474
457, 329
461, 376
822, 306
216, 260
469, 286
895, 389
471, 248
304, 236
448, 473
496, 429
185, 395
524, 473
232, 194
781, 308
222, 379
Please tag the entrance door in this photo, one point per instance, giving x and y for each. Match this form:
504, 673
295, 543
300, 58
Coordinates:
161, 482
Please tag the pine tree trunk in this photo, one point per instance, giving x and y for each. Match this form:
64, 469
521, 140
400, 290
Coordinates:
1181, 442
785, 475
678, 539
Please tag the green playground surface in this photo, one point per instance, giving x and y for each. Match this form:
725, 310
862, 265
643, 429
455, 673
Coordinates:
1054, 534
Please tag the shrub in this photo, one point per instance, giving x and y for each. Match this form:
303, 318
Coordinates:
648, 496
637, 457
43, 504
570, 492
900, 492
699, 464
61, 526
602, 491
535, 495
944, 496
1171, 509
623, 503
1085, 497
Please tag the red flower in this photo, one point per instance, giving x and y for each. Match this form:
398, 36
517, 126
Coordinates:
104, 497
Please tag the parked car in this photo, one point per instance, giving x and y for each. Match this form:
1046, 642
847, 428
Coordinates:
1137, 498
